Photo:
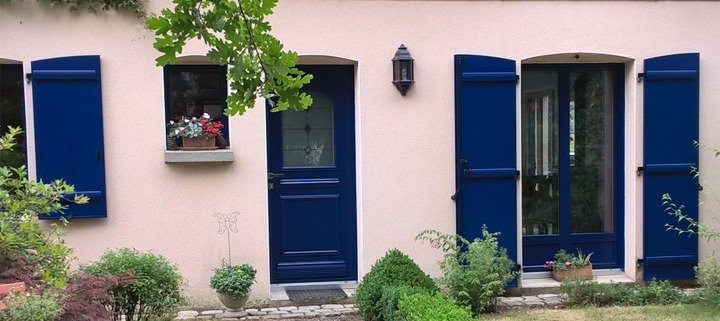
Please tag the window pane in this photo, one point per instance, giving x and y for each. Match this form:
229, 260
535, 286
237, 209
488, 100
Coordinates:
591, 151
308, 135
540, 163
192, 90
12, 112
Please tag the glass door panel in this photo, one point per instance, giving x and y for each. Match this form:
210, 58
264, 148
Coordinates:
591, 151
540, 157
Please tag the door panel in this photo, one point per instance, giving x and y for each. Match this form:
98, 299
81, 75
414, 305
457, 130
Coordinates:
311, 181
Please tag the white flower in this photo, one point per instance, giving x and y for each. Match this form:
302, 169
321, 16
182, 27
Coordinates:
206, 116
181, 128
172, 122
186, 120
194, 118
177, 132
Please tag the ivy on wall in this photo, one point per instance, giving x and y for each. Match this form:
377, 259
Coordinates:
238, 36
136, 7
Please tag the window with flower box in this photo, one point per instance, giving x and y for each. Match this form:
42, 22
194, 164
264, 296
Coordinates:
194, 102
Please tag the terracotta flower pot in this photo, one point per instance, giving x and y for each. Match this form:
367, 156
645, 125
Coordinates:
573, 272
233, 304
199, 143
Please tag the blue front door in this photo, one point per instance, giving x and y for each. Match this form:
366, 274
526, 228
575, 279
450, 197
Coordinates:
311, 182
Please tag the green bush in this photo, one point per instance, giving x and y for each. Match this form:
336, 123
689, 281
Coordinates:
28, 306
395, 268
23, 241
708, 276
430, 307
475, 273
233, 279
391, 295
579, 292
584, 293
154, 294
661, 292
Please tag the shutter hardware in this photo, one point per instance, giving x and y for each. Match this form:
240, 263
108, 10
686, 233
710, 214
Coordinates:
28, 77
640, 77
639, 170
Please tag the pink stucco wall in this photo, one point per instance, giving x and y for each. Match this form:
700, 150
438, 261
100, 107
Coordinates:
405, 145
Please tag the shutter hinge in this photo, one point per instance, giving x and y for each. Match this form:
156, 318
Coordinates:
639, 170
517, 79
640, 76
517, 175
28, 77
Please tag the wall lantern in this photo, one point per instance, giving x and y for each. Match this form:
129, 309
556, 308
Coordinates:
403, 76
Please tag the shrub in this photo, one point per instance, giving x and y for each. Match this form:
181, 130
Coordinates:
661, 292
426, 307
583, 293
233, 279
153, 294
579, 292
391, 295
85, 295
28, 306
395, 268
22, 239
708, 276
475, 273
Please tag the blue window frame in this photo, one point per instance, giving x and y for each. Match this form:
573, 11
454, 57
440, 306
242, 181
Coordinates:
12, 112
572, 162
191, 90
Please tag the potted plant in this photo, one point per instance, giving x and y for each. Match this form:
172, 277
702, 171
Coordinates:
196, 133
232, 284
566, 266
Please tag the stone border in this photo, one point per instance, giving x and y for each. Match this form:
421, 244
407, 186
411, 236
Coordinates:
287, 312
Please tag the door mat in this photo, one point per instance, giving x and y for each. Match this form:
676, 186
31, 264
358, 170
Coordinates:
309, 294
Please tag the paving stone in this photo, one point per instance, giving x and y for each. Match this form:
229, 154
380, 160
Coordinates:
534, 303
330, 314
344, 310
511, 299
251, 310
184, 315
290, 308
323, 310
211, 312
271, 316
268, 309
277, 312
256, 313
235, 314
349, 305
332, 306
292, 315
531, 298
309, 307
514, 303
252, 318
548, 295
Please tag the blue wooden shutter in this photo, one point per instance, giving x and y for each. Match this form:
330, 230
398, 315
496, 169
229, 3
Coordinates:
485, 148
671, 99
67, 107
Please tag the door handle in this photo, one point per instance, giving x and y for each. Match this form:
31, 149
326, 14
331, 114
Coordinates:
275, 175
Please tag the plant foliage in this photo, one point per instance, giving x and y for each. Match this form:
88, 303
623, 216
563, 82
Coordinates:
233, 279
391, 295
22, 239
153, 294
238, 36
563, 260
29, 306
475, 273
587, 292
84, 297
708, 276
435, 307
393, 269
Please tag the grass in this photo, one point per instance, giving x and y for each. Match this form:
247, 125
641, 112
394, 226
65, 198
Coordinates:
642, 313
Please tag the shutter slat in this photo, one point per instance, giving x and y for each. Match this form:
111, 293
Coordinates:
489, 76
67, 108
671, 111
64, 75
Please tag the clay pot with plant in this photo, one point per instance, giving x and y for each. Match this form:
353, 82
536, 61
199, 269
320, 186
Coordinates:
570, 266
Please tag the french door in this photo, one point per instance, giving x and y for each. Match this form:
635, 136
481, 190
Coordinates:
571, 138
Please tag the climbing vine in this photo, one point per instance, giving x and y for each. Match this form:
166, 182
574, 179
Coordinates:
238, 36
136, 7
